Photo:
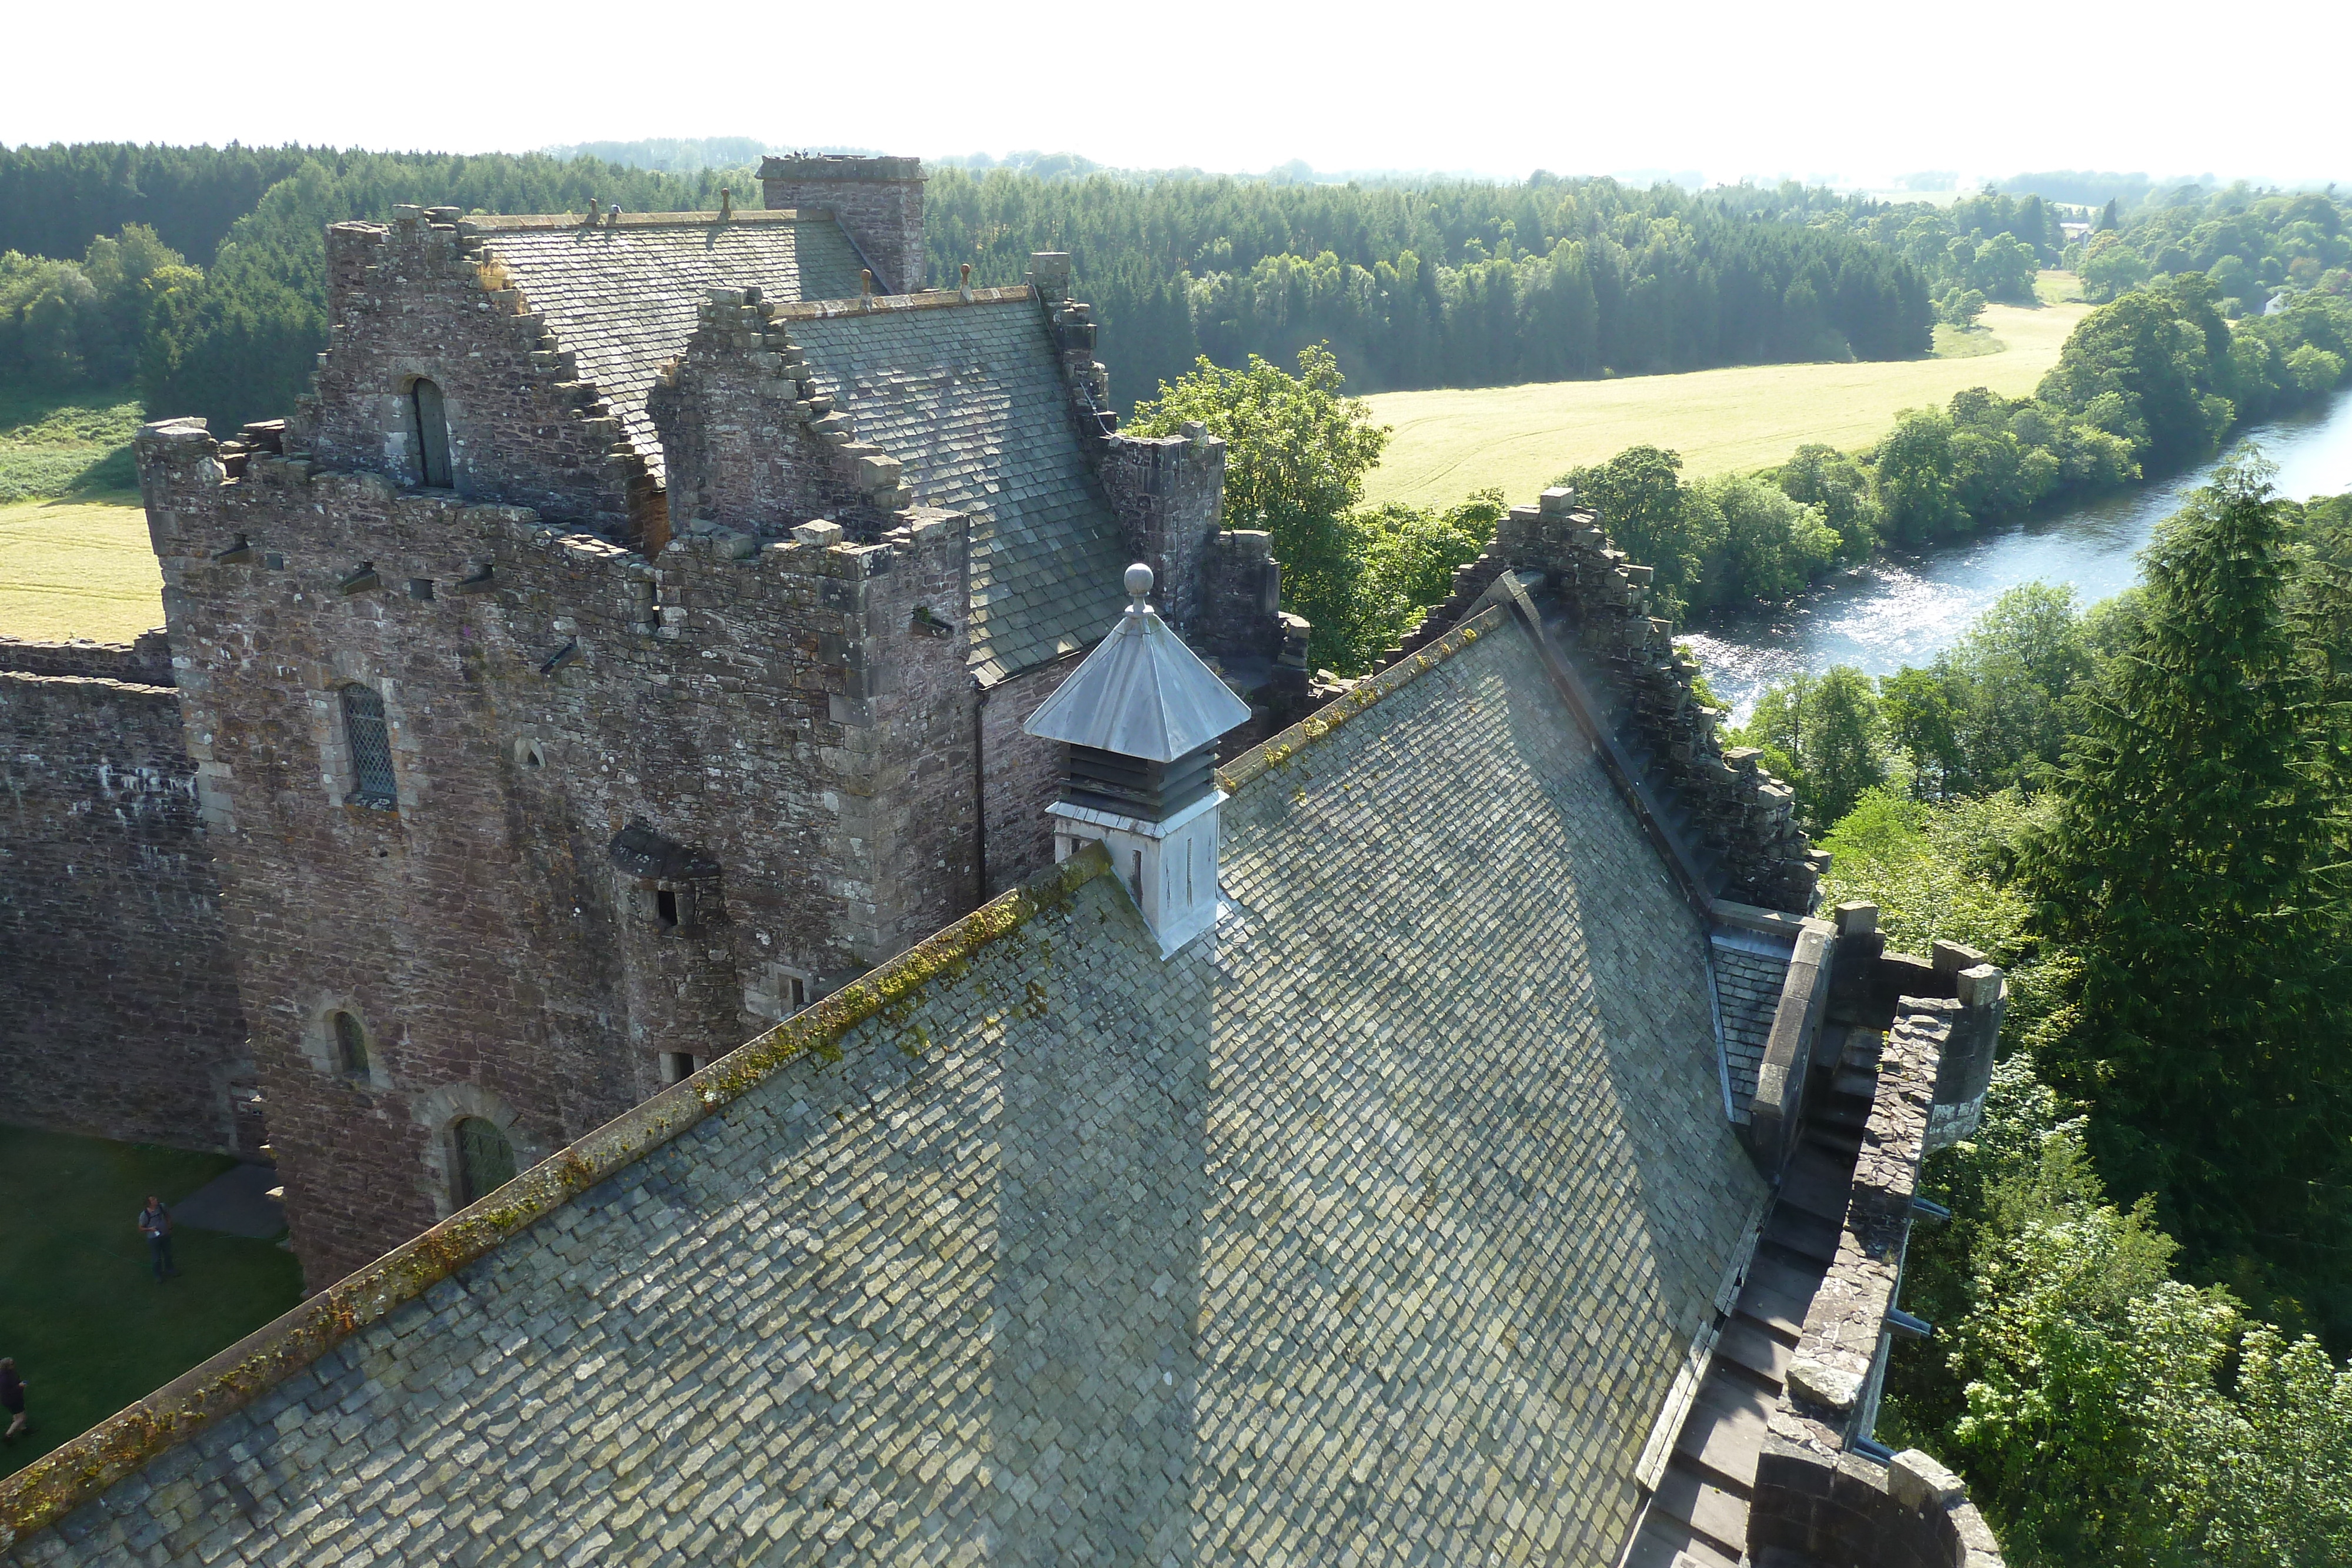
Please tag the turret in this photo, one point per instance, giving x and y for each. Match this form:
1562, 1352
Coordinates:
1141, 717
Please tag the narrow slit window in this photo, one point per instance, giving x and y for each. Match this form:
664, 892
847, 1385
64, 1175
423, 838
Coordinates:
486, 1160
665, 908
800, 993
432, 434
351, 1046
680, 1065
370, 743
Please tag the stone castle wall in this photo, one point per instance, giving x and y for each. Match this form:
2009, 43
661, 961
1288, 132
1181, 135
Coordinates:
145, 661
121, 1018
777, 720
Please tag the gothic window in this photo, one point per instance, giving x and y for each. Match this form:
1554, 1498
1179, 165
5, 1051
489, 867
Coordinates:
351, 1045
486, 1161
432, 434
370, 743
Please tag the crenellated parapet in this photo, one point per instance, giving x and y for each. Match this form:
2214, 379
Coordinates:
1823, 1488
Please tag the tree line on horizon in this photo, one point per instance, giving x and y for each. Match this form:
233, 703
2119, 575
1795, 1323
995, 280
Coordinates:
1451, 284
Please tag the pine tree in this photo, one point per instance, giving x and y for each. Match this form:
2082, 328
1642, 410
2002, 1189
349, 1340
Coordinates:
2195, 870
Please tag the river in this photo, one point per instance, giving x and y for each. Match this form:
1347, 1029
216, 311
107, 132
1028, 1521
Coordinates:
1905, 609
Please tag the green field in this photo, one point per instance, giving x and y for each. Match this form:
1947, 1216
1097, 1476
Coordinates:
78, 567
89, 1327
1448, 443
65, 444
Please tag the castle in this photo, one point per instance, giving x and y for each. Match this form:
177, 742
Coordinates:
1176, 1124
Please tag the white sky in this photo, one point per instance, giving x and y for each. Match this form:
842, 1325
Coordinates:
1826, 88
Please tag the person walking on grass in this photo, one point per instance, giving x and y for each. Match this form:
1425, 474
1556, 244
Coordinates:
155, 1224
12, 1396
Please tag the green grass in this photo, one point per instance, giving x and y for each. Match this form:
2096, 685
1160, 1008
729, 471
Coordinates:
65, 444
1448, 443
90, 1329
2055, 288
79, 568
1966, 342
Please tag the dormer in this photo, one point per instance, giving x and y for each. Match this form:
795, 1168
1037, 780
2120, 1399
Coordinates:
1141, 718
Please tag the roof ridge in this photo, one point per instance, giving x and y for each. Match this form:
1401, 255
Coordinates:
72, 1474
495, 223
927, 299
1370, 690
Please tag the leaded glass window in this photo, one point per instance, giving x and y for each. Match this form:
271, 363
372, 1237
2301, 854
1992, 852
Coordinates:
370, 743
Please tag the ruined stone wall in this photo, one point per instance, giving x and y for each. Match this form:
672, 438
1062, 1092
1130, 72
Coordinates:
122, 1016
777, 720
408, 301
879, 201
145, 661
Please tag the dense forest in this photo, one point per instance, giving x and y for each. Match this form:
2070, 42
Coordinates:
2252, 246
1456, 283
1446, 284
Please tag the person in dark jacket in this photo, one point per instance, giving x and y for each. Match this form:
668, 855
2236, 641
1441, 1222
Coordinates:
12, 1395
155, 1224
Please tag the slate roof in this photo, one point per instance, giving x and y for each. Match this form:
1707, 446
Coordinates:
1373, 1226
624, 299
970, 398
1749, 970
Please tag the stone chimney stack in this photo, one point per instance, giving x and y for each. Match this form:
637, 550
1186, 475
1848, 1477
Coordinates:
1141, 717
879, 201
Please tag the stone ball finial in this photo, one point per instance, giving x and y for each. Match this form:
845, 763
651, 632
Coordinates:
1138, 584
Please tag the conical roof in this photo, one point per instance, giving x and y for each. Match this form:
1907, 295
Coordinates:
1141, 692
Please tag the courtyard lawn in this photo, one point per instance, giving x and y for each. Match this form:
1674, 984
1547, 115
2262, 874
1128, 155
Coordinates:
78, 567
1520, 439
81, 1311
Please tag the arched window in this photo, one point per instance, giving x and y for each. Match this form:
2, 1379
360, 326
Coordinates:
371, 745
432, 433
351, 1045
486, 1160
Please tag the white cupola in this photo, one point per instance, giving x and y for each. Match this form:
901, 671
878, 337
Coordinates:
1141, 717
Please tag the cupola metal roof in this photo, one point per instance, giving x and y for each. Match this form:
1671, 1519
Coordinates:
1141, 692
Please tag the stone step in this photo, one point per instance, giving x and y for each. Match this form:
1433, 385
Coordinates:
1818, 1183
1715, 1514
1807, 1235
1765, 1354
1662, 1542
1778, 1294
1724, 1435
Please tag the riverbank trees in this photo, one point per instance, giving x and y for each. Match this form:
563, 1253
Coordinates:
2141, 811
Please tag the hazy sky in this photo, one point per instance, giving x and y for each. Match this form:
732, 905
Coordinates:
1854, 91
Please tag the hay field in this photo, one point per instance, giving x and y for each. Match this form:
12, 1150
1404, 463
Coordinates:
79, 568
1450, 443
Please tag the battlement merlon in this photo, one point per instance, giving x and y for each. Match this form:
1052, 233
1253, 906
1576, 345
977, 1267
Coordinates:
879, 202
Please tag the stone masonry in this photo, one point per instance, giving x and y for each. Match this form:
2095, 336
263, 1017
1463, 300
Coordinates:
122, 1017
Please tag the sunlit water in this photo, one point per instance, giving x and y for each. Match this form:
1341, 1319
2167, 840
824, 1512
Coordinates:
1905, 609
